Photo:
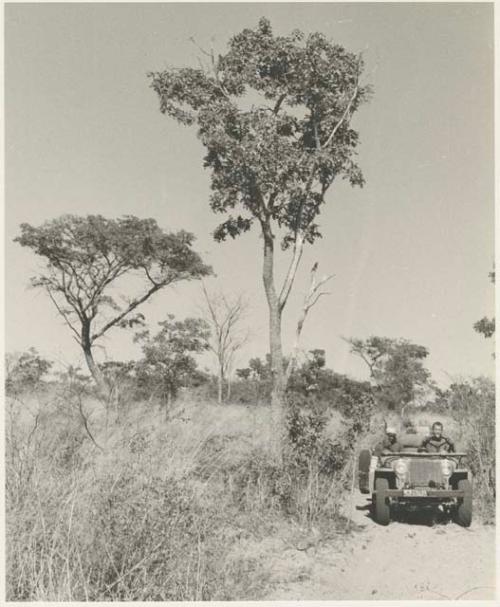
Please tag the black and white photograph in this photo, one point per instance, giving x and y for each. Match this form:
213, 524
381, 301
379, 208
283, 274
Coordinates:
249, 302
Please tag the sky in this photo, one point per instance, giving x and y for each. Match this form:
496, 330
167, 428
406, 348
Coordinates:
411, 251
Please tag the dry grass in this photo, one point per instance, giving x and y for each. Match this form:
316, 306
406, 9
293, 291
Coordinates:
138, 507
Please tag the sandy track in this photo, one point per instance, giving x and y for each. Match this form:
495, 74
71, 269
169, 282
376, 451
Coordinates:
404, 561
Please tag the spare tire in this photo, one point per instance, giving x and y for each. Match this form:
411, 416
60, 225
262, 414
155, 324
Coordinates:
381, 508
363, 471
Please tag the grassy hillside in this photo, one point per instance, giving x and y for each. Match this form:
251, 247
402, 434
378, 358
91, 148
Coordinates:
184, 509
124, 502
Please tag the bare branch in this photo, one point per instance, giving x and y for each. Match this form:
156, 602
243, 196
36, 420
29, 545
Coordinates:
310, 299
63, 314
224, 317
344, 115
86, 423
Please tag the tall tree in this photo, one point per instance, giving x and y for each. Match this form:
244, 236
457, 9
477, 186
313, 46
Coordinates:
396, 368
274, 115
224, 315
85, 258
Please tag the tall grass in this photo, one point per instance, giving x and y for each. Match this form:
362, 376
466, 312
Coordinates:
472, 405
128, 506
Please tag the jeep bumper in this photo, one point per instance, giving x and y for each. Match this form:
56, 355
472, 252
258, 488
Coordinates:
425, 493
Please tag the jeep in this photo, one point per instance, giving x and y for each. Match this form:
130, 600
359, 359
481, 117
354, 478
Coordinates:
414, 481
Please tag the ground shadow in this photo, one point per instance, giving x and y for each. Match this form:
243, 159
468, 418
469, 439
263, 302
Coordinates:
427, 517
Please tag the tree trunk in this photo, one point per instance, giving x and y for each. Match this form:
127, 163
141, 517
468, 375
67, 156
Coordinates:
96, 373
278, 427
220, 384
86, 342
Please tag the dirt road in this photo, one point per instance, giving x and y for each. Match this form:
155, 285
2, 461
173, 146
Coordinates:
409, 560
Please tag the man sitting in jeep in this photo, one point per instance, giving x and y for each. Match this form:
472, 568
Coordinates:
436, 442
389, 443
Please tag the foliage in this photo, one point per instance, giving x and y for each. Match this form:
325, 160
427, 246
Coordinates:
173, 510
85, 258
273, 114
168, 361
486, 326
277, 158
396, 368
25, 371
472, 404
314, 383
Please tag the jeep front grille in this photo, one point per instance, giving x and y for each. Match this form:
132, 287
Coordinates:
422, 472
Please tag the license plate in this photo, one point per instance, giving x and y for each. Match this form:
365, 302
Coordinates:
414, 492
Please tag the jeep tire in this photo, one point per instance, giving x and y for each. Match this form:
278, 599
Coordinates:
464, 511
364, 461
381, 508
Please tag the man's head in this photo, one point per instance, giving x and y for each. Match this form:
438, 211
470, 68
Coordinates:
437, 429
391, 434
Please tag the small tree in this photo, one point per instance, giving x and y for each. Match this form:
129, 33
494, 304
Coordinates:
224, 315
396, 368
25, 371
486, 326
85, 258
274, 116
168, 361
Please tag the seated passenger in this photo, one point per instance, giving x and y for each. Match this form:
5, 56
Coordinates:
436, 442
390, 443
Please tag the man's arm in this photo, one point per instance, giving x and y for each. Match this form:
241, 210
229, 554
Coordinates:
423, 445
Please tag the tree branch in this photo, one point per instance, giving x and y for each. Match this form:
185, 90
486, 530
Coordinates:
343, 117
64, 315
310, 299
85, 423
298, 249
280, 100
132, 306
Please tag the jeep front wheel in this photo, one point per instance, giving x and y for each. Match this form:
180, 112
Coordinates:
381, 508
464, 510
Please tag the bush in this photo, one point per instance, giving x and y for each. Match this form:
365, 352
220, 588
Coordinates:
167, 512
472, 404
25, 371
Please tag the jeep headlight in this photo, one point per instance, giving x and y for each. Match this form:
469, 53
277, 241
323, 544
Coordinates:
447, 467
400, 467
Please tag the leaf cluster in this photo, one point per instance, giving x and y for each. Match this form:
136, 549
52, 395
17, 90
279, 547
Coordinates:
396, 367
274, 115
169, 356
25, 371
86, 256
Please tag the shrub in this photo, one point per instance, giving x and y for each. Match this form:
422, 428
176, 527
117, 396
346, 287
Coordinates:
25, 371
472, 404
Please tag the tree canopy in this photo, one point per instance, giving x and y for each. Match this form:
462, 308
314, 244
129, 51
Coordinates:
396, 368
168, 361
85, 258
25, 370
274, 115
